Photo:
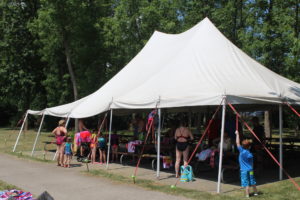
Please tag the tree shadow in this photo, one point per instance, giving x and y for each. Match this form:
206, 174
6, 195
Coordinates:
295, 91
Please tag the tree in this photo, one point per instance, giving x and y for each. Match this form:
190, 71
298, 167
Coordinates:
71, 47
129, 26
20, 66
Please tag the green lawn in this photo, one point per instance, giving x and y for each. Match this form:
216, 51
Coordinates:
276, 191
5, 186
8, 138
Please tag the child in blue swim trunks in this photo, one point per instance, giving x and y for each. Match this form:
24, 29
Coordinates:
246, 165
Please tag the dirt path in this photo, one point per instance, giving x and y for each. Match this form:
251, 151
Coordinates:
68, 184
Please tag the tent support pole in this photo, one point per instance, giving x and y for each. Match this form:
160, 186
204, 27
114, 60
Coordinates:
17, 141
221, 146
66, 126
158, 144
37, 135
109, 138
280, 141
67, 122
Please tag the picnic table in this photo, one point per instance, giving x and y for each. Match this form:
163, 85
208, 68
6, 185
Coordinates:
288, 143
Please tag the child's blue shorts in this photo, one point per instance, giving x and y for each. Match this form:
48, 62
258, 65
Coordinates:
247, 178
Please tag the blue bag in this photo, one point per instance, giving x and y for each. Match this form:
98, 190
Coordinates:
187, 174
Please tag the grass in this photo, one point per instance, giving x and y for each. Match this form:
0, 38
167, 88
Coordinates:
6, 186
152, 185
283, 190
8, 138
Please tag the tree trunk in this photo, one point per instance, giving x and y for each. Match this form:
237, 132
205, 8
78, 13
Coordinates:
267, 124
71, 72
235, 18
297, 19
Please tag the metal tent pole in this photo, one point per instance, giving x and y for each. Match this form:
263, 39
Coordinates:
37, 135
67, 122
17, 141
280, 141
221, 147
109, 138
158, 144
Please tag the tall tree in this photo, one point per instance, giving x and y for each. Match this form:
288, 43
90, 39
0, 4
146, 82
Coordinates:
71, 47
20, 66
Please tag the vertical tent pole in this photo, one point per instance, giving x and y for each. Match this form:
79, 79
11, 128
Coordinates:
66, 126
109, 138
221, 146
17, 141
158, 144
67, 122
37, 135
280, 141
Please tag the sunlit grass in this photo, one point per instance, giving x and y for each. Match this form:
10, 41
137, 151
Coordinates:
152, 185
6, 186
8, 138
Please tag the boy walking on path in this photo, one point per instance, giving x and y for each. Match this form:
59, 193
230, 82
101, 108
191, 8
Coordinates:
246, 165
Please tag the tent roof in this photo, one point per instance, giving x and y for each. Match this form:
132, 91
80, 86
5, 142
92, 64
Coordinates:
205, 67
195, 68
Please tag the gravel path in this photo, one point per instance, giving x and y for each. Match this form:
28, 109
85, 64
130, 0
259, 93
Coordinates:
66, 184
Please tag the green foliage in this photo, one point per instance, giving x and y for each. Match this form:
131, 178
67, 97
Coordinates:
102, 36
20, 66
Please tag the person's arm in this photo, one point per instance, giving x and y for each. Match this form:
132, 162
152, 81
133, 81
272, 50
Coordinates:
66, 132
54, 131
237, 139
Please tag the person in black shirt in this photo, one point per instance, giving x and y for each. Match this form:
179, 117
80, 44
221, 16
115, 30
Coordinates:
257, 146
259, 131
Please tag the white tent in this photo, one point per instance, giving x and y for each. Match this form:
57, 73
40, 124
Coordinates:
198, 67
206, 68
